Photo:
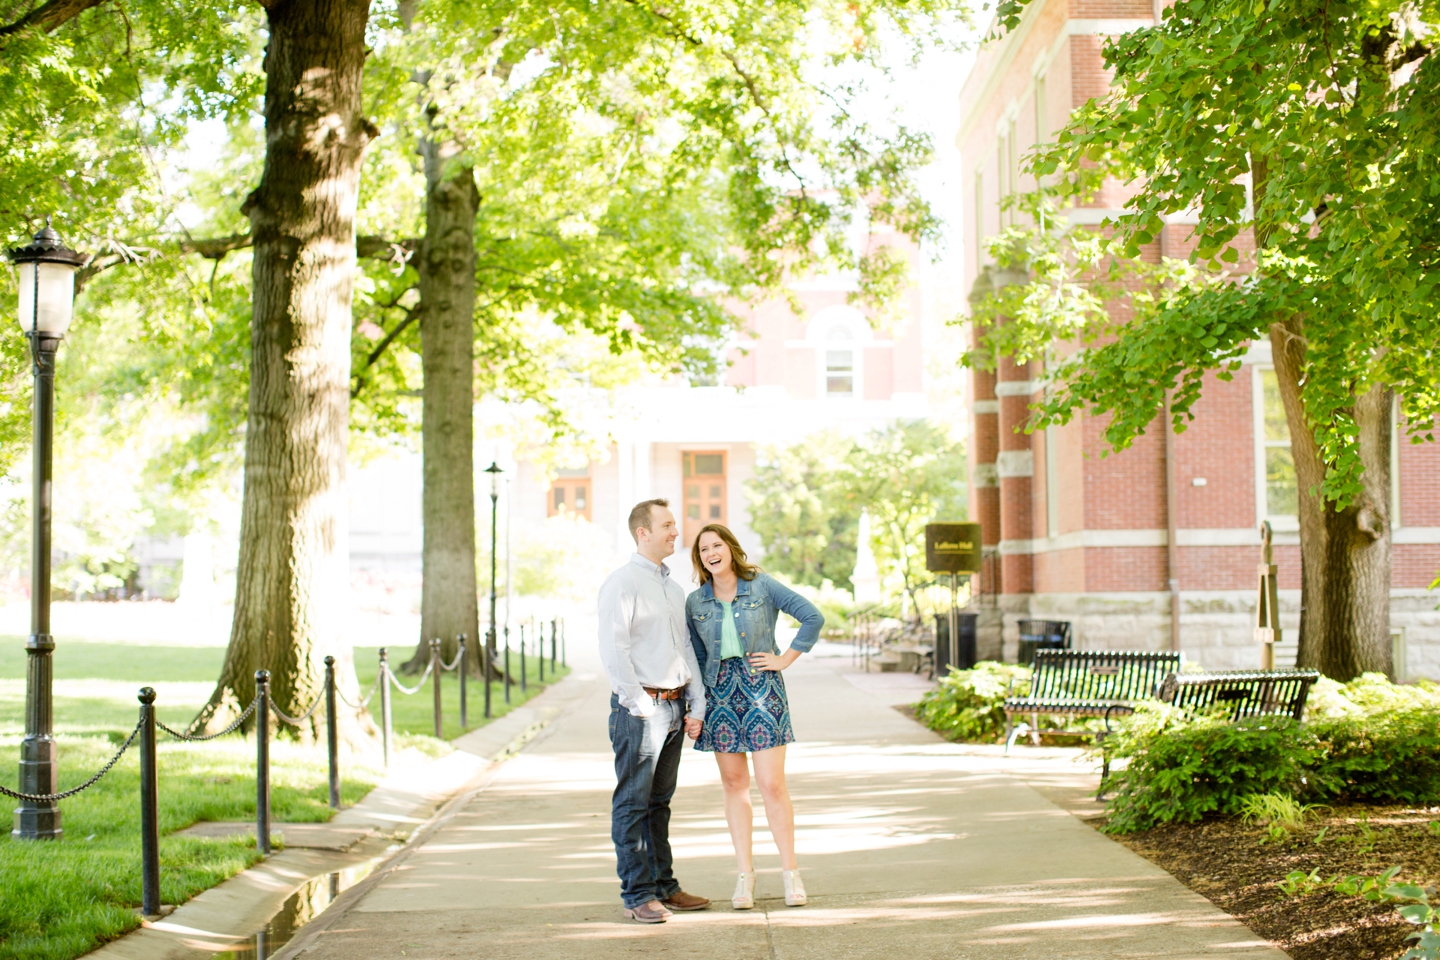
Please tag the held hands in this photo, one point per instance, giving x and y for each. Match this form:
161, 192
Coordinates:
774, 662
692, 727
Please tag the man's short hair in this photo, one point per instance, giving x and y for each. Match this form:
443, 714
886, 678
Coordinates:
640, 515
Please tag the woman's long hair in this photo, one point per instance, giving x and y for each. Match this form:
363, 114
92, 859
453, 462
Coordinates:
743, 569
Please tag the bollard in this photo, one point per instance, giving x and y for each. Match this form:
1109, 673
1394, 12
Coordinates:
562, 642
464, 707
522, 658
487, 664
435, 667
149, 809
507, 664
332, 733
262, 760
385, 703
552, 647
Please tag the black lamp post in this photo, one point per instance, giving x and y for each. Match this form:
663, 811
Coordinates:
47, 304
490, 635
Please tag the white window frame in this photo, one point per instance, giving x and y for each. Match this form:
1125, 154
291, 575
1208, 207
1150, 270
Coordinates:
1002, 182
1012, 137
1052, 484
1395, 463
1042, 121
979, 221
1278, 522
817, 337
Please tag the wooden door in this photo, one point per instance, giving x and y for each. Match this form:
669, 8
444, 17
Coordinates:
704, 491
569, 495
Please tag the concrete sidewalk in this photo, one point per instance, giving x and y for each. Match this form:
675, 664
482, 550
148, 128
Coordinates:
911, 847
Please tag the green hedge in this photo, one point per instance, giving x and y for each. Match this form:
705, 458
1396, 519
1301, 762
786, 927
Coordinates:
969, 705
1374, 742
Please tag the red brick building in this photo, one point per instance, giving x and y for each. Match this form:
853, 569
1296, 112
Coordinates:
1116, 544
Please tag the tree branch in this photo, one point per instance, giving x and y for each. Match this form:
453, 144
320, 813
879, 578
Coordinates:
366, 248
360, 379
50, 15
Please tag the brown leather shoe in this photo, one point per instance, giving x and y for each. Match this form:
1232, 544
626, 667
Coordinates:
651, 912
686, 901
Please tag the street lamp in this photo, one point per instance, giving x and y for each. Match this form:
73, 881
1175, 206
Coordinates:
47, 304
490, 635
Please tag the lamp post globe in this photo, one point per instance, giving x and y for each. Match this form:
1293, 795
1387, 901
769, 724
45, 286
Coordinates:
46, 306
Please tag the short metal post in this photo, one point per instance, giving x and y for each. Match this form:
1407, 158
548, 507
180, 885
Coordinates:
552, 646
149, 808
385, 702
435, 668
332, 733
262, 760
464, 707
507, 664
487, 664
522, 658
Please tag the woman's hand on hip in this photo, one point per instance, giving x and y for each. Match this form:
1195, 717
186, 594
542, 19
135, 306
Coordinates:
772, 661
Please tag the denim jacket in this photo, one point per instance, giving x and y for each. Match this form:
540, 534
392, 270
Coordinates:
756, 607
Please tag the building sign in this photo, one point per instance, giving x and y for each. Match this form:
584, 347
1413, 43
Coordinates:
952, 547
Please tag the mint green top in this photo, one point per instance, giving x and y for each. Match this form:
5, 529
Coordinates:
729, 636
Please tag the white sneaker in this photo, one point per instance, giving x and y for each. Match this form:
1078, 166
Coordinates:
794, 888
744, 898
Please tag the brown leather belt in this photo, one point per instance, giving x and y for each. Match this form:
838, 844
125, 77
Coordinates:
674, 694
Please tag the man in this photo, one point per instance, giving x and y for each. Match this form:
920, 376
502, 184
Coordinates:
645, 647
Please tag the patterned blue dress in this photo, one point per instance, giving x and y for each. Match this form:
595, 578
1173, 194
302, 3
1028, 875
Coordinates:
746, 710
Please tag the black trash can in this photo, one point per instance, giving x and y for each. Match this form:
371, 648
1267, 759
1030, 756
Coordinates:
1042, 635
966, 658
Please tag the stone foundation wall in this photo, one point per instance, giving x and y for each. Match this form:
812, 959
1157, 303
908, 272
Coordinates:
1216, 627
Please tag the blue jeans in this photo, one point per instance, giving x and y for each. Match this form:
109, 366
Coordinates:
647, 760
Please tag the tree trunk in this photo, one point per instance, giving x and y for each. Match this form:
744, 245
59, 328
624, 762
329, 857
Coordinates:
293, 571
1344, 554
449, 604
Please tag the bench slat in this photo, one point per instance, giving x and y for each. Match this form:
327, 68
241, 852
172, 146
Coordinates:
1251, 693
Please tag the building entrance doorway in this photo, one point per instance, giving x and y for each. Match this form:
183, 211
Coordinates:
704, 491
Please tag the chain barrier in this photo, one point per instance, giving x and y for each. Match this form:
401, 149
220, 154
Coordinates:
296, 721
365, 701
55, 797
202, 737
381, 677
429, 666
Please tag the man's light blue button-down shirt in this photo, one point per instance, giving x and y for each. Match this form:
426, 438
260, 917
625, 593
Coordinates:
643, 638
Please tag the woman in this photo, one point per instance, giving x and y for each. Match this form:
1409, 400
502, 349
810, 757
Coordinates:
732, 627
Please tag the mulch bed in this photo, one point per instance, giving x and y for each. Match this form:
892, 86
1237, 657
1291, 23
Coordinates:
1227, 862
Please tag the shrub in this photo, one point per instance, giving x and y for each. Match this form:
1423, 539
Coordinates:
1385, 758
1181, 772
1374, 743
970, 704
1367, 695
1279, 813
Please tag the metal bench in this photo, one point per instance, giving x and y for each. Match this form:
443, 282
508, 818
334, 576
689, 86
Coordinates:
1249, 693
1087, 683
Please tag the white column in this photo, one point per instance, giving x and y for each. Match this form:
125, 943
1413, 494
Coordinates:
625, 485
644, 473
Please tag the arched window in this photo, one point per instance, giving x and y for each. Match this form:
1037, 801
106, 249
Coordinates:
839, 334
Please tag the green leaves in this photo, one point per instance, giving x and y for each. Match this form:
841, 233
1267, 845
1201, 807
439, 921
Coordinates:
969, 705
1311, 128
806, 500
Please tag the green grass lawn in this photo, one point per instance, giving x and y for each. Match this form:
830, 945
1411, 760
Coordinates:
60, 900
415, 714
